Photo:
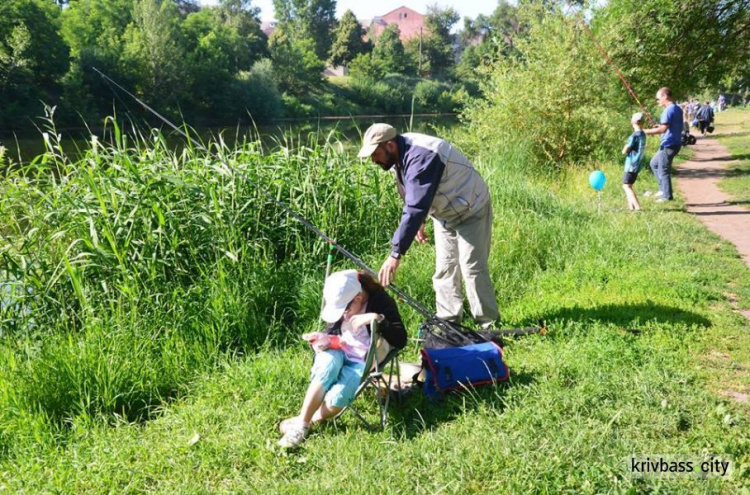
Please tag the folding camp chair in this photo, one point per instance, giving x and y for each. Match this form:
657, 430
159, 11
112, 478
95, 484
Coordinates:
379, 356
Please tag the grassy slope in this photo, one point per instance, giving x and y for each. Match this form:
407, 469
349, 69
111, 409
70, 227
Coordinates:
643, 348
734, 126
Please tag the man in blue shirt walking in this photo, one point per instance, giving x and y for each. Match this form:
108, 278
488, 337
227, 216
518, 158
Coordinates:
670, 128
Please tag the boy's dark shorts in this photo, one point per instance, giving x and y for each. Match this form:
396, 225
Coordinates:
629, 177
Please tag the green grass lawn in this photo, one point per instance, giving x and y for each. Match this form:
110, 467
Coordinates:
645, 356
733, 127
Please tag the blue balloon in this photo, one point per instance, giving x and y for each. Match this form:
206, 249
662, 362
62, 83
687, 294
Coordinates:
597, 180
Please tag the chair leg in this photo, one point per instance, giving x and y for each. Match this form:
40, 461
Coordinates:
377, 380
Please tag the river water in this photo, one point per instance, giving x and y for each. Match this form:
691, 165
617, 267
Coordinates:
23, 147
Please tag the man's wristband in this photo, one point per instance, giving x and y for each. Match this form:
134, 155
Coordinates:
395, 255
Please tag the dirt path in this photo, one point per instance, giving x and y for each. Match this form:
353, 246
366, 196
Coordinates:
697, 179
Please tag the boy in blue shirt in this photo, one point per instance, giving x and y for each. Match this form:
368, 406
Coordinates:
633, 152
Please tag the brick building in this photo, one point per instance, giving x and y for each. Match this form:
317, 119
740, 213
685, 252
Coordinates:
409, 23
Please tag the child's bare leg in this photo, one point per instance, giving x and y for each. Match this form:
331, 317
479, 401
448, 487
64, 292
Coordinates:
325, 412
633, 203
313, 400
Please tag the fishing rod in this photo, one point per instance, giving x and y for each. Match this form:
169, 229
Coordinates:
606, 56
432, 318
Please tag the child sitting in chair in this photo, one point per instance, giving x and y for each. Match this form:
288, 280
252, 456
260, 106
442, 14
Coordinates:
353, 301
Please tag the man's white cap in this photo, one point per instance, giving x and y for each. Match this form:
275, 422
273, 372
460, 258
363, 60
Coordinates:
637, 117
374, 135
339, 290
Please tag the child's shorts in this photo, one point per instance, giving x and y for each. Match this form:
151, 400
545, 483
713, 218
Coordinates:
629, 177
340, 376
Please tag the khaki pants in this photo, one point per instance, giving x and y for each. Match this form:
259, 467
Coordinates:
463, 254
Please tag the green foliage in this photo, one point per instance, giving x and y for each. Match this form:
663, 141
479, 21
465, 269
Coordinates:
398, 94
388, 55
391, 93
45, 51
238, 26
363, 66
94, 31
296, 67
430, 95
437, 45
13, 62
348, 40
96, 25
487, 39
182, 60
258, 93
634, 32
556, 97
33, 57
313, 20
151, 51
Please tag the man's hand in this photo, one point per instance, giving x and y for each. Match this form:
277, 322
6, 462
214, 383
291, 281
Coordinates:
422, 237
388, 271
657, 129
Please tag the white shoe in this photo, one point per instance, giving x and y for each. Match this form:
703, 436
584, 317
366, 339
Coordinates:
648, 193
658, 194
294, 436
287, 423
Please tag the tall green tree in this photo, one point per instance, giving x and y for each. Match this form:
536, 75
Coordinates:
46, 51
223, 44
96, 25
33, 58
349, 40
247, 42
15, 64
152, 50
437, 44
296, 66
504, 25
313, 19
94, 30
389, 55
486, 38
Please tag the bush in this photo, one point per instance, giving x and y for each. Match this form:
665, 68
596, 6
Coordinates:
393, 93
434, 96
258, 92
380, 96
556, 96
295, 107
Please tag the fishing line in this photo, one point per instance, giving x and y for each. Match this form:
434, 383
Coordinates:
611, 63
132, 115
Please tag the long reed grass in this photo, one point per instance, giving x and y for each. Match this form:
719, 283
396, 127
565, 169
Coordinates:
131, 269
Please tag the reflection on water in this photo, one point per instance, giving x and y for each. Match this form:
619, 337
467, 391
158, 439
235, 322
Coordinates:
24, 147
12, 303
